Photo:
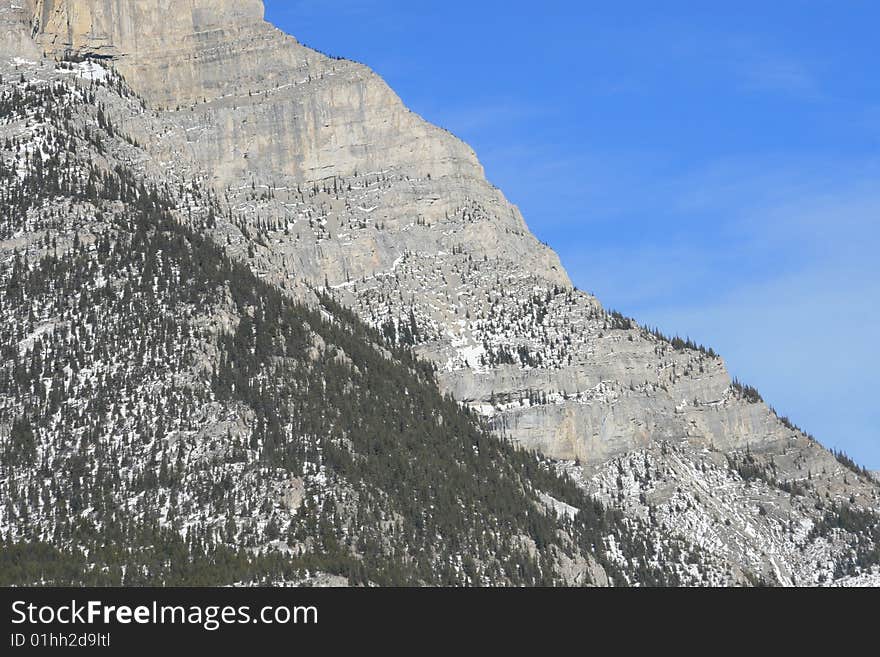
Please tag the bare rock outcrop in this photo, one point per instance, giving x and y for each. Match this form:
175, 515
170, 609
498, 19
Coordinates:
326, 178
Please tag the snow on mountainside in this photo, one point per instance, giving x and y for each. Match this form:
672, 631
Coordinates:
166, 417
319, 177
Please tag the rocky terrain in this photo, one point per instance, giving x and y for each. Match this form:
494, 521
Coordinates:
166, 417
310, 171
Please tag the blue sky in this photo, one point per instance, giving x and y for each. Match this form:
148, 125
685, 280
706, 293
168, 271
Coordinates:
709, 168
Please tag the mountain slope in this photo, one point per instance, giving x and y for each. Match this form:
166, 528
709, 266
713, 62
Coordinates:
323, 179
166, 417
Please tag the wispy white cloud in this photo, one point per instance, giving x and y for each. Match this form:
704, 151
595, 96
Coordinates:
775, 73
491, 114
807, 341
755, 229
790, 299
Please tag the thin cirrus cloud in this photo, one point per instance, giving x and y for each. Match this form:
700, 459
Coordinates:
779, 75
806, 341
492, 114
763, 68
751, 221
788, 298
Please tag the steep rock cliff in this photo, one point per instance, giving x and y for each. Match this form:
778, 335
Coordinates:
326, 178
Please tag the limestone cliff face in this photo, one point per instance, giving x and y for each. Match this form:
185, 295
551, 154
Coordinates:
15, 25
326, 176
243, 104
125, 27
284, 107
323, 176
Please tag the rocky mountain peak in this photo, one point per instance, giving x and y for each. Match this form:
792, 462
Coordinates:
170, 50
126, 27
307, 169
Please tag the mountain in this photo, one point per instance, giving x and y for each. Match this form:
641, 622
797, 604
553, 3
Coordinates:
313, 179
169, 418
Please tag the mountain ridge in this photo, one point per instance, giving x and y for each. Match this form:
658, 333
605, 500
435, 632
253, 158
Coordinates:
324, 179
168, 418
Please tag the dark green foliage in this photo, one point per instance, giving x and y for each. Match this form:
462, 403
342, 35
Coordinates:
150, 556
848, 463
862, 528
747, 392
619, 322
21, 447
681, 344
751, 469
106, 411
